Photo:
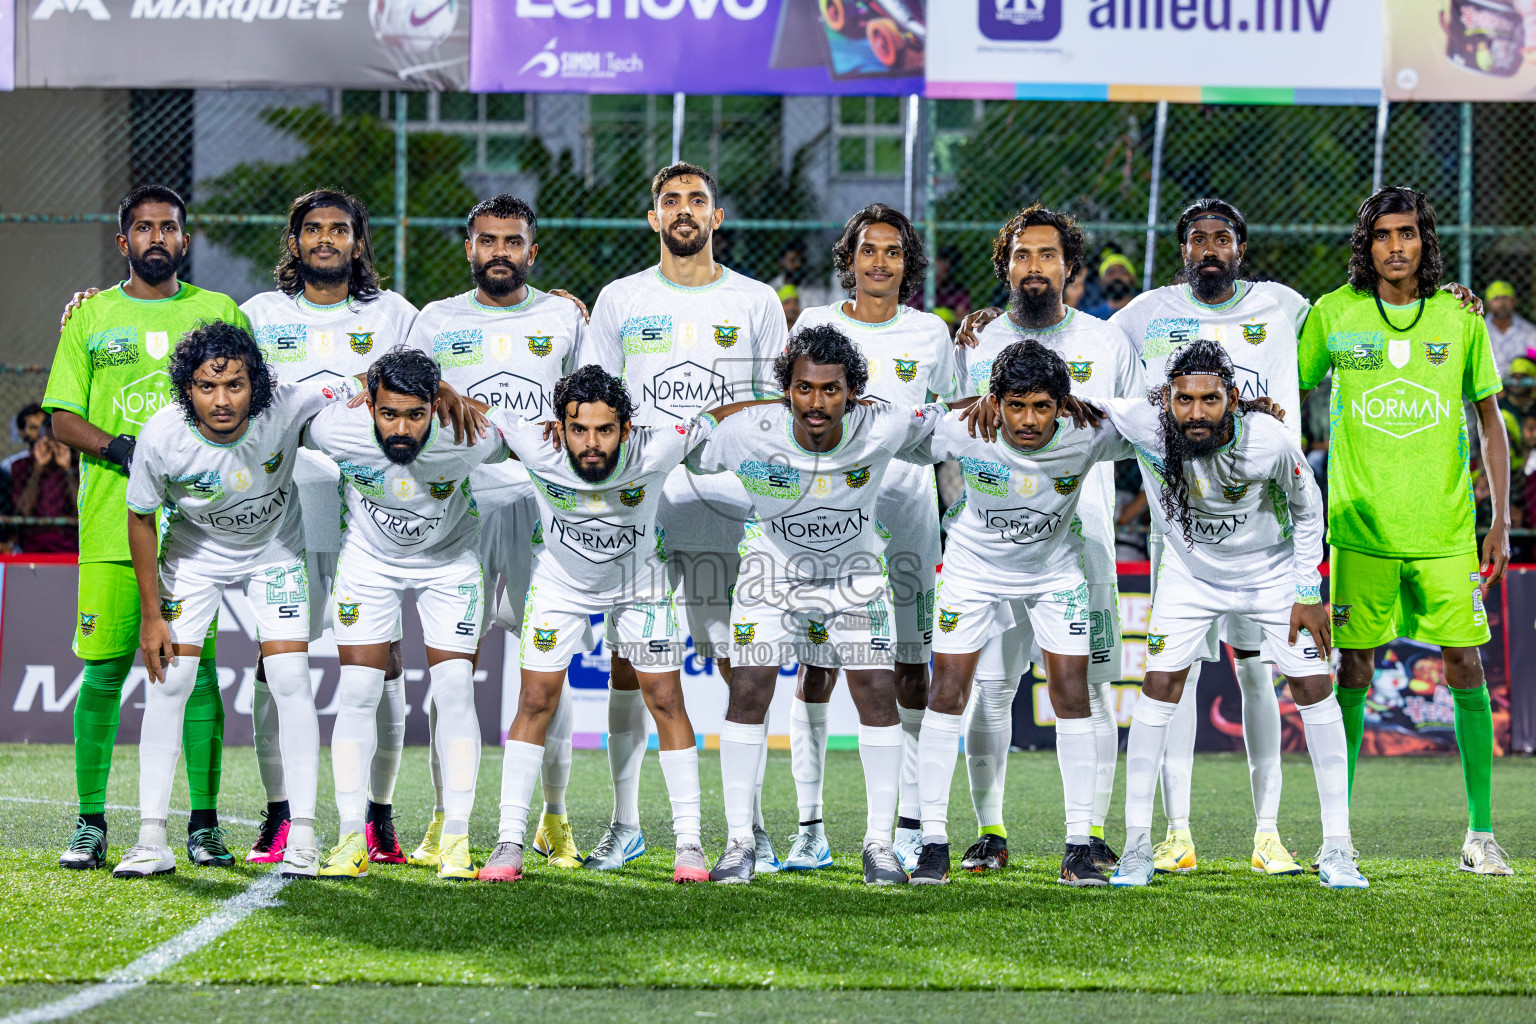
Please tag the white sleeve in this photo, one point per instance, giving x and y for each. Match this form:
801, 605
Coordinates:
935, 446
405, 319
1305, 501
146, 479
419, 336
771, 335
717, 452
1130, 374
944, 379
601, 343
904, 427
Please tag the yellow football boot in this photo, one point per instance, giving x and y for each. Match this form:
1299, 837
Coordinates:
349, 859
1270, 857
555, 842
426, 855
1175, 853
454, 862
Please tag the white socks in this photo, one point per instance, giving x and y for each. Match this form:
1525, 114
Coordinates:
1178, 765
910, 805
938, 747
988, 735
299, 732
1077, 757
519, 771
1324, 725
1261, 739
757, 790
353, 739
808, 755
266, 736
390, 722
680, 768
880, 752
741, 747
433, 767
628, 731
557, 753
165, 707
1143, 753
1106, 736
457, 740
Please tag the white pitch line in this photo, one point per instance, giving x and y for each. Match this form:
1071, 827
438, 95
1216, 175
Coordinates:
115, 807
163, 957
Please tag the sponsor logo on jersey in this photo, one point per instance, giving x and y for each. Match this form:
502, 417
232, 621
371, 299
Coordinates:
1021, 525
401, 525
274, 463
403, 488
1080, 370
249, 516
347, 612
117, 346
817, 631
140, 399
1234, 492
857, 477
948, 621
204, 486
545, 639
1209, 529
906, 369
986, 477
1356, 350
1341, 614
769, 479
597, 540
540, 344
1436, 354
1168, 333
360, 342
520, 395
1024, 486
1254, 334
821, 529
1066, 484
170, 610
560, 497
597, 502
685, 389
1197, 488
642, 335
1401, 408
441, 491
88, 623
744, 632
457, 348
283, 343
725, 336
240, 480
632, 496
1156, 642
365, 479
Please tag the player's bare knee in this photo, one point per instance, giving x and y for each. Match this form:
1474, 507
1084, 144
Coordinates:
1308, 690
911, 685
751, 693
816, 684
1463, 667
621, 676
1164, 686
395, 666
1358, 667
665, 698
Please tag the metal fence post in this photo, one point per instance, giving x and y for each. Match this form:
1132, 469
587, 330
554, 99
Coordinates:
1379, 167
930, 212
1464, 263
679, 102
1152, 198
401, 220
909, 158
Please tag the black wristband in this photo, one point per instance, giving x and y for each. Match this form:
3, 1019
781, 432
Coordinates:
119, 450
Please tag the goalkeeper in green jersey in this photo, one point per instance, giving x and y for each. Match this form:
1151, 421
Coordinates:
1405, 559
108, 378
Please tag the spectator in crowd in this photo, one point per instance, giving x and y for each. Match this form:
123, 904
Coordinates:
29, 427
1073, 296
947, 290
44, 483
1117, 283
1512, 335
789, 298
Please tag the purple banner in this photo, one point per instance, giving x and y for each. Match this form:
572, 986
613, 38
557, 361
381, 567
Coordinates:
815, 47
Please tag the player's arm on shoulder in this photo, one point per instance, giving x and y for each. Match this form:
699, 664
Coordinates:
602, 337
718, 451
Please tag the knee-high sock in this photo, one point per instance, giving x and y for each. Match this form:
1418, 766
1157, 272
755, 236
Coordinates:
910, 802
389, 721
1143, 753
808, 755
458, 740
938, 746
757, 790
202, 738
627, 737
293, 704
434, 767
1261, 739
519, 771
160, 736
97, 709
1077, 757
988, 735
880, 752
266, 736
1352, 705
680, 769
1474, 736
1178, 766
740, 749
1106, 744
556, 773
1329, 750
353, 738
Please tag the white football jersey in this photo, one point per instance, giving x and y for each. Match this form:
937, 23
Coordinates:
1259, 327
412, 518
813, 513
1103, 364
229, 507
1256, 513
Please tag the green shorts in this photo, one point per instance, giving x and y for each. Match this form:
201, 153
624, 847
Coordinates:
1432, 600
107, 623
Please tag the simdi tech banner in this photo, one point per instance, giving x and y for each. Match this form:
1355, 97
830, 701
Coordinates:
814, 47
1461, 49
374, 44
1213, 51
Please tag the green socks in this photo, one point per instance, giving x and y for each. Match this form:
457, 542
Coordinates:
1474, 735
202, 738
1352, 704
96, 714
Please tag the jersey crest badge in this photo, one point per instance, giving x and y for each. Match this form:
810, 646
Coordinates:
744, 632
360, 341
88, 623
857, 477
1399, 351
240, 480
441, 491
1066, 484
170, 610
1197, 487
1156, 642
631, 496
1436, 354
541, 344
157, 343
1234, 493
544, 639
403, 488
906, 369
1254, 334
817, 631
821, 485
272, 464
1080, 369
948, 621
346, 613
725, 336
1341, 614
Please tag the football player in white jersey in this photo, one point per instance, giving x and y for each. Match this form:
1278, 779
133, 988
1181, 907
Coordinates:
1037, 254
694, 335
1016, 560
1258, 323
506, 343
327, 319
1243, 522
880, 263
410, 524
812, 586
219, 461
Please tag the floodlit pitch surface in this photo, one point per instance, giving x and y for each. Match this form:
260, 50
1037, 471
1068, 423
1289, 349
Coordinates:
1424, 943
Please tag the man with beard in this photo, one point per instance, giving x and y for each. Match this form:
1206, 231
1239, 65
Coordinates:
880, 263
108, 378
411, 524
693, 335
1244, 525
506, 344
1036, 254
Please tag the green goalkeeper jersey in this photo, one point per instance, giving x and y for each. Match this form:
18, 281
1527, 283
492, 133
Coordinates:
1398, 480
110, 368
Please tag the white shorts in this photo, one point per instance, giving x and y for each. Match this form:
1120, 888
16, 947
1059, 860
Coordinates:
321, 566
1240, 631
702, 585
1185, 610
1007, 656
845, 625
557, 627
968, 616
506, 551
278, 593
366, 601
912, 555
1104, 639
